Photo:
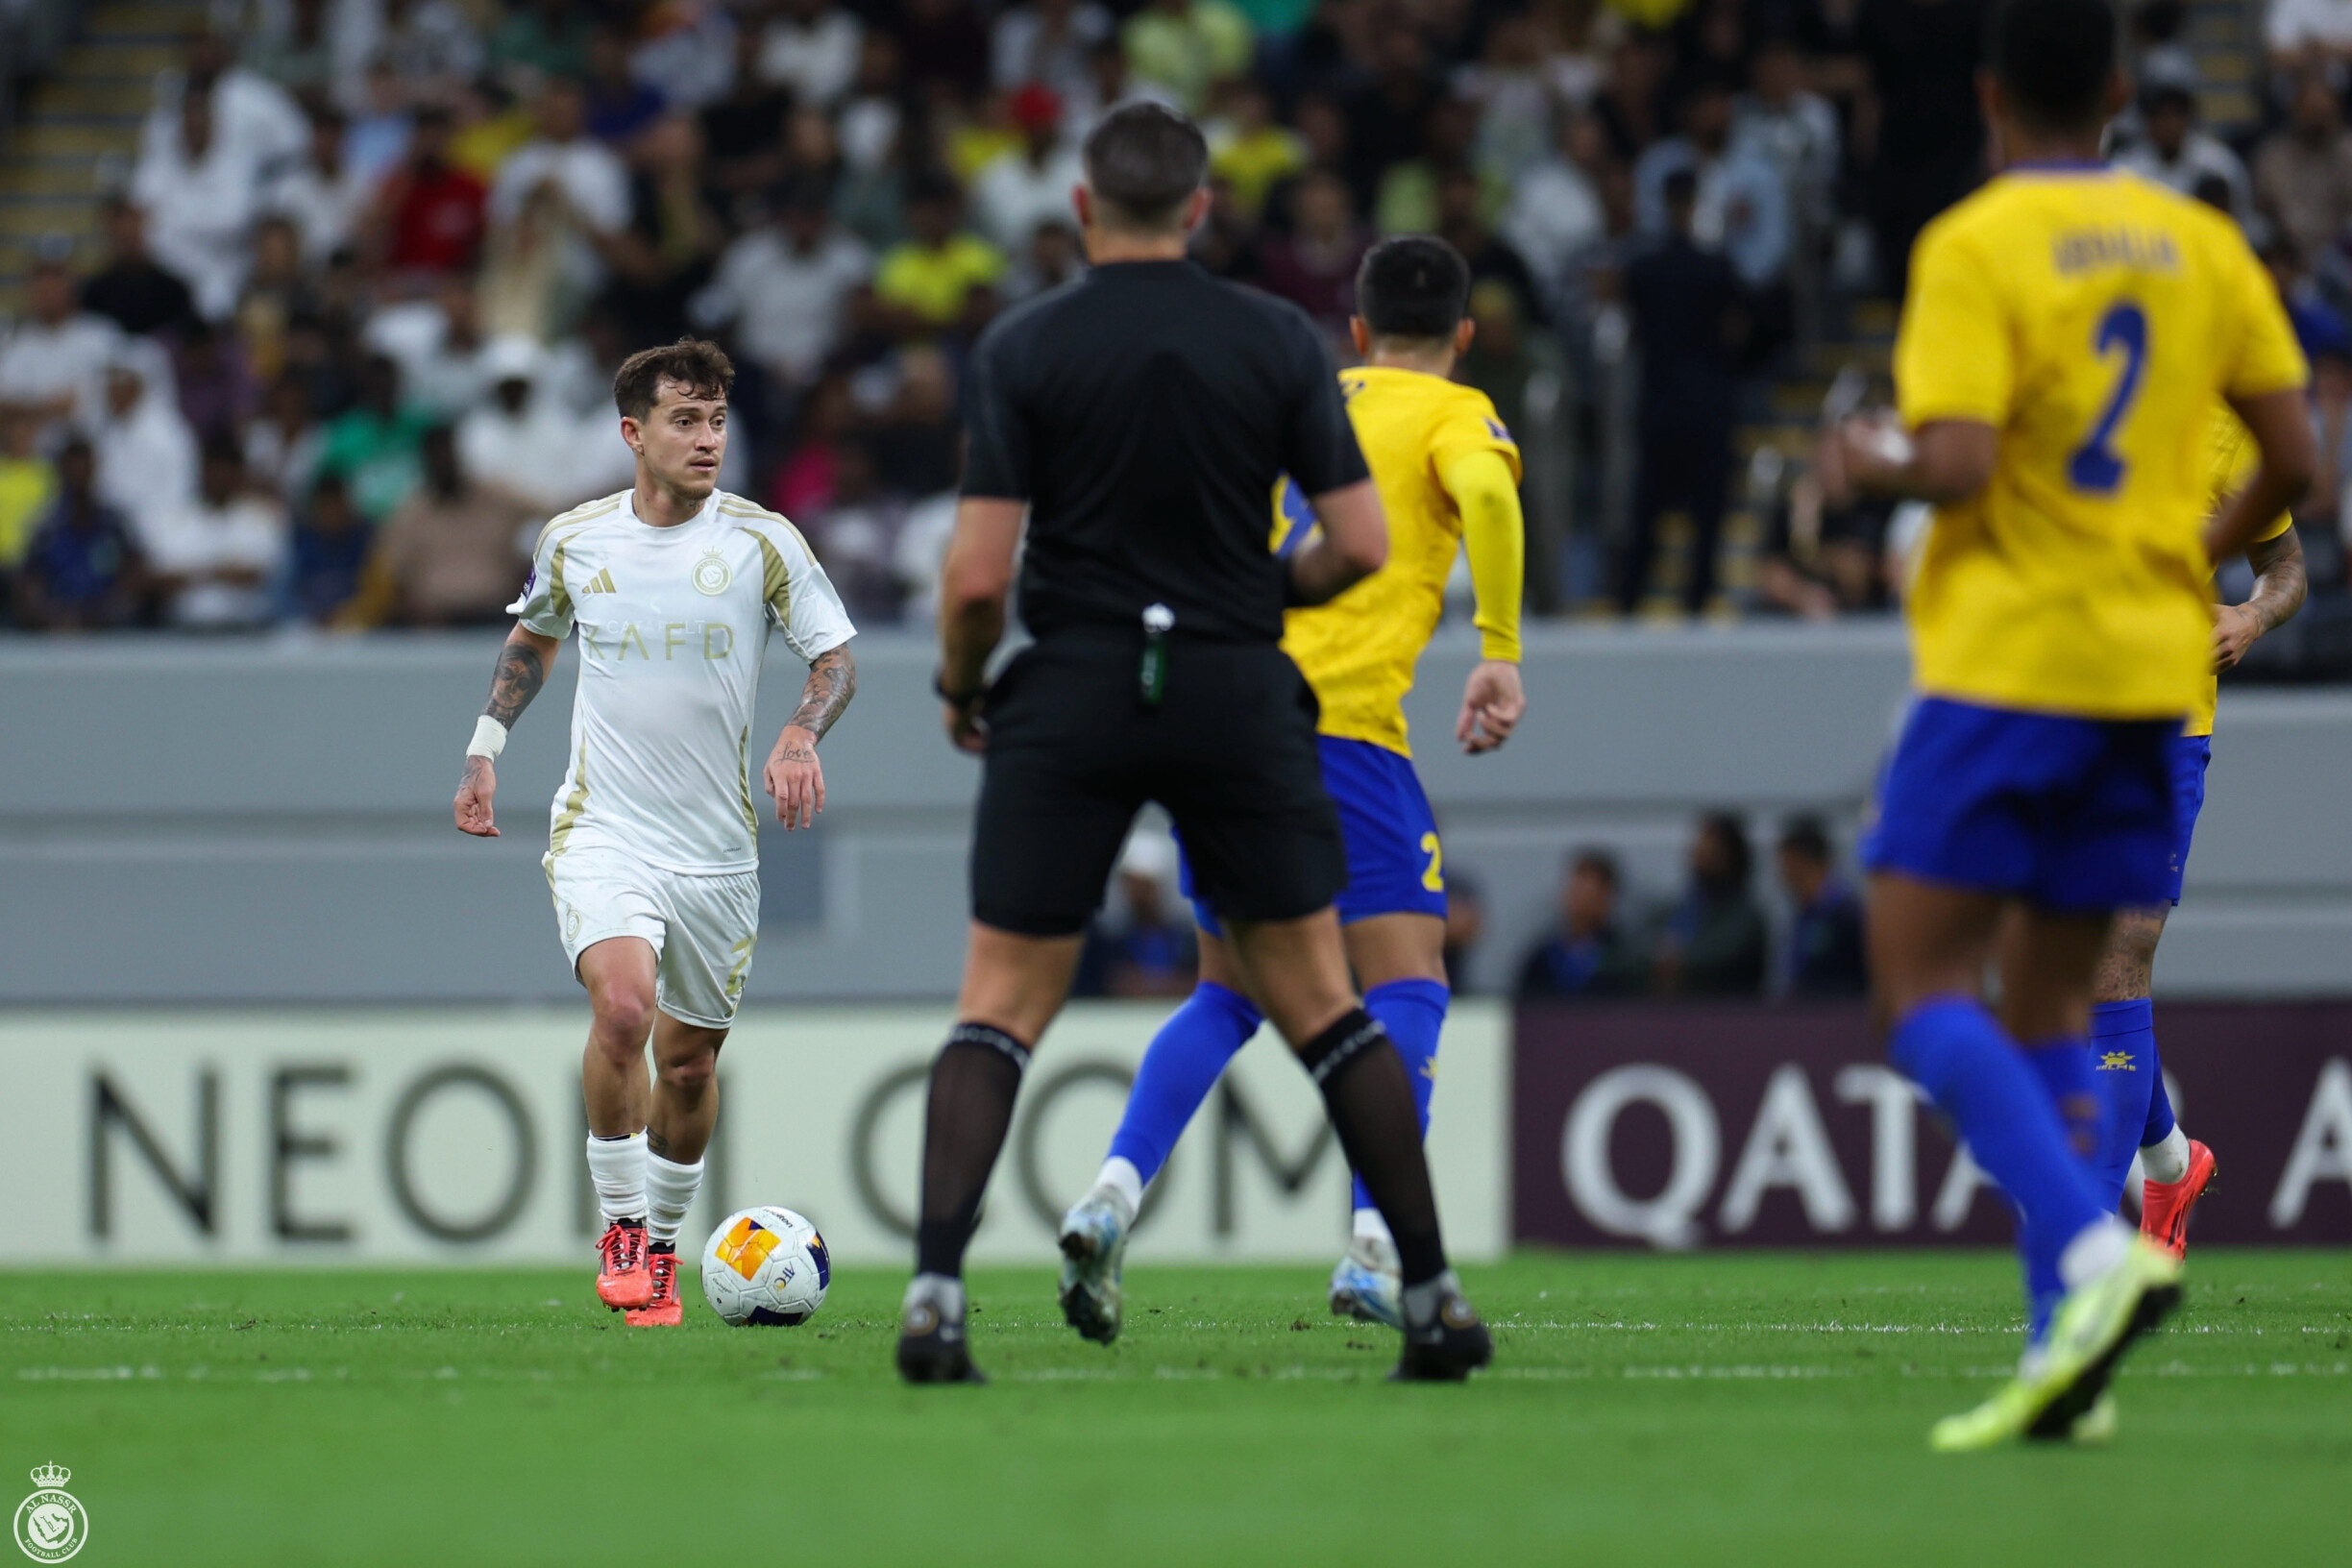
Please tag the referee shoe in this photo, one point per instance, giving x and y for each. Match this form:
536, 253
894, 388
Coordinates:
932, 1347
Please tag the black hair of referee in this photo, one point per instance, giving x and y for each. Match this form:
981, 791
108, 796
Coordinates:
1137, 418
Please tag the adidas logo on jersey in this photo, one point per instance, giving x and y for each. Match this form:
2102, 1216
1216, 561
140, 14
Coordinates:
601, 583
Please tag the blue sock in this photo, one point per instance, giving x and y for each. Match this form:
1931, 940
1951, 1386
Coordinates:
2130, 1078
2070, 1077
1951, 1047
2160, 1118
1413, 1013
1178, 1070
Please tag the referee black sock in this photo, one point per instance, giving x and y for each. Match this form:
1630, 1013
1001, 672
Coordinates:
973, 1082
1370, 1101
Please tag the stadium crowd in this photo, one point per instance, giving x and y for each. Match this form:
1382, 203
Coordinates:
361, 293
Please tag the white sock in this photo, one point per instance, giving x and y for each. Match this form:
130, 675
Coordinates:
618, 1167
1124, 1185
2168, 1161
1370, 1227
669, 1192
2097, 1248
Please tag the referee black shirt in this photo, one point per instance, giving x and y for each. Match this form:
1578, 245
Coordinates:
1144, 412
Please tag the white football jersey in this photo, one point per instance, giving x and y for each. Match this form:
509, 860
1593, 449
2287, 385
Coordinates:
673, 626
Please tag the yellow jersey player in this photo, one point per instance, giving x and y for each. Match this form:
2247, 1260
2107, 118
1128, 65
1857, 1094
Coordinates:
1448, 473
2065, 334
2177, 1170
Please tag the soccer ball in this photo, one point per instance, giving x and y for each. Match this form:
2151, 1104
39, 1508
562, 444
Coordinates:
765, 1265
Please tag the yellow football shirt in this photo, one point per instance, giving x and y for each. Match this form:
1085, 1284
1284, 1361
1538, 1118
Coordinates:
2231, 458
1359, 651
2092, 319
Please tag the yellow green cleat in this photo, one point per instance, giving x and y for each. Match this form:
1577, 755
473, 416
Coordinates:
2088, 1336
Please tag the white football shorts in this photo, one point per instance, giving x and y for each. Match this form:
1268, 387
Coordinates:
702, 928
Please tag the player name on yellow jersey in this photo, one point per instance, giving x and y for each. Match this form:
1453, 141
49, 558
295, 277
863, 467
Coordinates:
2094, 319
1359, 651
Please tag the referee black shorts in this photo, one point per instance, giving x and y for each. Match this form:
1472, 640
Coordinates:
1073, 751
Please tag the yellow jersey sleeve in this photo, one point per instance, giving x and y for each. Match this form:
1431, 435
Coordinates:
1954, 353
1485, 492
1471, 426
2268, 358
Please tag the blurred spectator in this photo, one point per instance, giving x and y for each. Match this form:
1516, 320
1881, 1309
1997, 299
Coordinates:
53, 362
216, 554
451, 554
330, 552
585, 174
372, 446
430, 47
2308, 35
1554, 208
1182, 45
666, 252
133, 290
525, 441
1249, 151
1690, 326
1822, 558
808, 479
944, 48
1792, 128
857, 533
28, 484
1740, 204
1021, 189
1712, 943
812, 47
297, 53
1146, 947
943, 275
1927, 149
1046, 42
1461, 223
1407, 199
217, 393
619, 106
685, 51
82, 569
742, 133
2174, 153
781, 287
1052, 258
1465, 925
1824, 948
256, 122
541, 38
2303, 171
200, 194
916, 433
1314, 266
1515, 99
1586, 954
278, 291
1386, 113
146, 452
438, 343
284, 442
432, 211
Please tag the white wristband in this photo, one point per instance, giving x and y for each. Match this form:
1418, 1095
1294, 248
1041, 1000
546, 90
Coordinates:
489, 737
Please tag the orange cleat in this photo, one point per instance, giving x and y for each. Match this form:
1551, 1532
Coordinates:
625, 1279
2164, 1205
663, 1310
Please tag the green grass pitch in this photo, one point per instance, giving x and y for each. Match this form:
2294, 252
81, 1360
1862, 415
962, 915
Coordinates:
1725, 1409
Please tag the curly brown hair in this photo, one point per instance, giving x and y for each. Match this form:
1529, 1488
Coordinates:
699, 366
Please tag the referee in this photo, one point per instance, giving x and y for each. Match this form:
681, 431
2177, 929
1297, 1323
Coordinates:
1140, 416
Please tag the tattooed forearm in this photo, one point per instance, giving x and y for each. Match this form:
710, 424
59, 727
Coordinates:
2281, 580
520, 674
832, 682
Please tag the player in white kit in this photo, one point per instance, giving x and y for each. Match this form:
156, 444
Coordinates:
673, 586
